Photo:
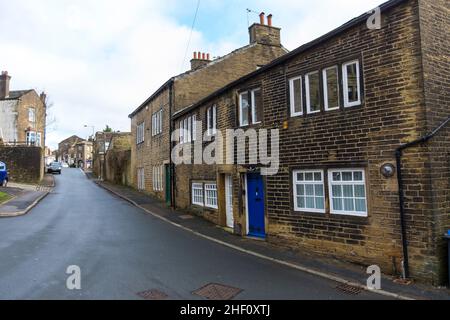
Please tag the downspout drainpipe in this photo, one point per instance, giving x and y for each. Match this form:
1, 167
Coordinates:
171, 165
398, 156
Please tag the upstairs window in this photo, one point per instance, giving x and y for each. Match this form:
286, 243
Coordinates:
250, 107
296, 100
31, 115
188, 129
331, 88
312, 88
140, 133
157, 123
211, 120
351, 84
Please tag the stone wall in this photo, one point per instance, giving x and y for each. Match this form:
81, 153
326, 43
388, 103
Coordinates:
24, 164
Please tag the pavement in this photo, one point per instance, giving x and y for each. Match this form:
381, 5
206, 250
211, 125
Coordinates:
122, 252
24, 197
328, 268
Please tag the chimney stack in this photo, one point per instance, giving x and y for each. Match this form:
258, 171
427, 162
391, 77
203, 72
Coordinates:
43, 97
200, 59
4, 85
265, 34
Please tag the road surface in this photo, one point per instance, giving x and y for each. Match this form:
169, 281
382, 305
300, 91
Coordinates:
121, 251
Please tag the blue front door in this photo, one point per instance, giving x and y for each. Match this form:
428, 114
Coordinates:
255, 198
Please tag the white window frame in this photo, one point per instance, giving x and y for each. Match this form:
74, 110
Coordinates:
181, 131
348, 104
31, 138
253, 106
32, 114
157, 178
38, 139
241, 124
189, 129
157, 123
307, 92
331, 183
211, 128
141, 179
194, 127
211, 187
140, 133
197, 186
325, 88
292, 96
314, 183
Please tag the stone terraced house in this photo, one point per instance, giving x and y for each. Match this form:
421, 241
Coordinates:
151, 124
360, 178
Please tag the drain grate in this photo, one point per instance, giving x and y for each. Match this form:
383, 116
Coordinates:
349, 289
214, 291
186, 217
153, 295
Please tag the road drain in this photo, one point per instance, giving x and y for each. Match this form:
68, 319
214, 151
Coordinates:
153, 295
186, 217
214, 291
349, 289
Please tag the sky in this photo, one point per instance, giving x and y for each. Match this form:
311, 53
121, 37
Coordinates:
98, 60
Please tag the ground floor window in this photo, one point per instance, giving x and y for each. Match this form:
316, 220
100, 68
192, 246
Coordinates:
33, 138
141, 179
205, 194
211, 195
346, 191
157, 178
309, 191
197, 194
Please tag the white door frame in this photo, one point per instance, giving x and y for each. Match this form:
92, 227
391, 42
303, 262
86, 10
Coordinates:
229, 206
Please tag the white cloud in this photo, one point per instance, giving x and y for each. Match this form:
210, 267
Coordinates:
98, 60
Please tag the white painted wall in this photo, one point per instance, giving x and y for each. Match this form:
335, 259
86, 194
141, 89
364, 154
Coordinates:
8, 120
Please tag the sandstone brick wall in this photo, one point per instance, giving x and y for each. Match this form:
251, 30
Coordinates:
118, 159
31, 99
394, 111
24, 164
194, 86
435, 26
154, 151
189, 88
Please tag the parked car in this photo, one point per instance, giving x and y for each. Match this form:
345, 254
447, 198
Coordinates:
3, 175
65, 165
54, 167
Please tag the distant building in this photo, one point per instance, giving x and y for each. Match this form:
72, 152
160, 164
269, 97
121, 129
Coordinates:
22, 115
83, 154
67, 150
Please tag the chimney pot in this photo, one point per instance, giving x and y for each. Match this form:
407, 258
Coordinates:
203, 56
195, 55
4, 84
269, 20
261, 18
208, 57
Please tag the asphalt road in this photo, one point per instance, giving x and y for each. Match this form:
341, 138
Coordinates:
122, 251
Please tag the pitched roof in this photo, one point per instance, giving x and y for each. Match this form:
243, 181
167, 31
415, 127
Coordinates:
350, 24
13, 95
189, 72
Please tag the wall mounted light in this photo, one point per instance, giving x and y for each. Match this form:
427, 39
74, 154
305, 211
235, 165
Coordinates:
388, 170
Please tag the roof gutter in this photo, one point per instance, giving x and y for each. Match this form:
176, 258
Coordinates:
398, 156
